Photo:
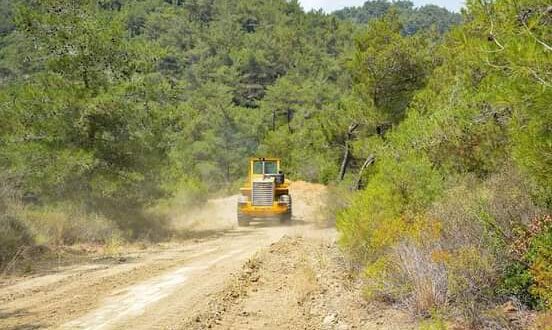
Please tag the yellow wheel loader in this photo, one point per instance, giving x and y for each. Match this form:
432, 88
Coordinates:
265, 195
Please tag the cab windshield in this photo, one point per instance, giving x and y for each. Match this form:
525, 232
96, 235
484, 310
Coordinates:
271, 168
266, 167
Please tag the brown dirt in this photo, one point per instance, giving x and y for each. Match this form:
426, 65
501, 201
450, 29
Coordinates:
263, 277
299, 282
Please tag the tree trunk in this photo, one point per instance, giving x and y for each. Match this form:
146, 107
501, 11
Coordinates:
369, 161
345, 162
289, 117
347, 154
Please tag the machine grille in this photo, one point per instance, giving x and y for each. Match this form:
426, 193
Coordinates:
263, 193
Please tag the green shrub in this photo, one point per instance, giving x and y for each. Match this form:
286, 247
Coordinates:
480, 220
384, 228
386, 211
517, 281
456, 253
435, 323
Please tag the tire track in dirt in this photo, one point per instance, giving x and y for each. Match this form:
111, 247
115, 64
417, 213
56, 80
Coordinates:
48, 304
134, 300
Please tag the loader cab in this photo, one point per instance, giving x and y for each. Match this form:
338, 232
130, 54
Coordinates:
265, 168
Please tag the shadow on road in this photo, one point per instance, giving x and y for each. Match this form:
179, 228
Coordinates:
276, 223
186, 235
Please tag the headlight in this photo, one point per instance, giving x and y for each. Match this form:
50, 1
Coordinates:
243, 199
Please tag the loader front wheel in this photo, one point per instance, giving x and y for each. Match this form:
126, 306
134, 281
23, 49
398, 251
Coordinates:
243, 220
286, 219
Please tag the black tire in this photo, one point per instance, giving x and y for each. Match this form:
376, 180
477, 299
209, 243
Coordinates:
285, 219
243, 220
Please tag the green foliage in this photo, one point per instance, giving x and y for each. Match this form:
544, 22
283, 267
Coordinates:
388, 68
517, 282
414, 19
541, 267
6, 17
119, 104
529, 277
387, 210
518, 57
469, 152
134, 93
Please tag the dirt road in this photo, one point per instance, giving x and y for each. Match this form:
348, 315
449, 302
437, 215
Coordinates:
254, 278
150, 289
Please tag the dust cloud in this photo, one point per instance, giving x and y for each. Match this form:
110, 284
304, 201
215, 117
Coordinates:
216, 214
309, 206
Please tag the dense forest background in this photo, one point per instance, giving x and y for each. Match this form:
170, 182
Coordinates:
434, 129
112, 105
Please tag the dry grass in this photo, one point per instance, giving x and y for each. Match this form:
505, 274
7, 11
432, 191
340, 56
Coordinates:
109, 226
28, 231
544, 321
479, 221
68, 226
427, 280
14, 233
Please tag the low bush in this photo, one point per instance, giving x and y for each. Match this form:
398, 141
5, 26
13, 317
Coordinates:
538, 260
409, 276
490, 246
386, 211
426, 276
471, 249
472, 275
67, 225
107, 222
14, 233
